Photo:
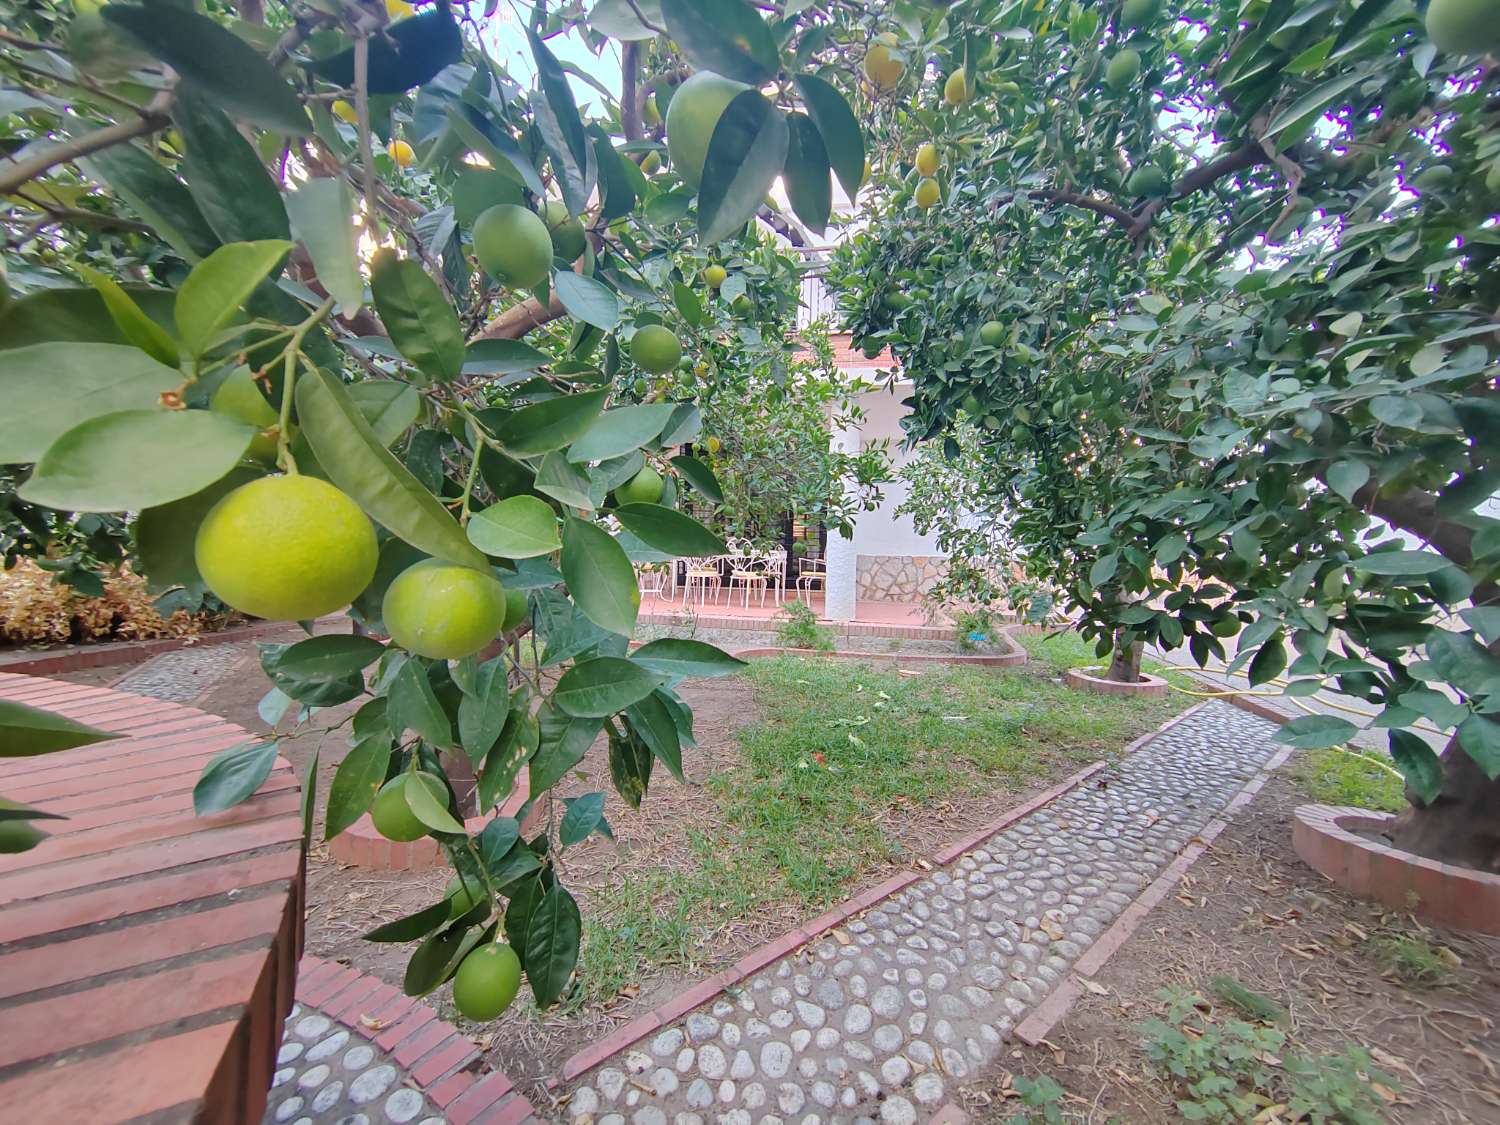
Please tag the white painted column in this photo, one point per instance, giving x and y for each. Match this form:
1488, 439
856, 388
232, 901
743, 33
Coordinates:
840, 557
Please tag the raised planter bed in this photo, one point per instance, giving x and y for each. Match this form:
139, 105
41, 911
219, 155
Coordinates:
1148, 685
1329, 840
1013, 655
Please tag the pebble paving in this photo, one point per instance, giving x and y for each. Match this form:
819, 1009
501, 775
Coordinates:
184, 674
329, 1075
881, 1020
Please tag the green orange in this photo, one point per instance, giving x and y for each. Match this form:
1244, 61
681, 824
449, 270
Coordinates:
643, 488
513, 245
692, 115
443, 611
286, 548
487, 981
654, 348
516, 608
393, 817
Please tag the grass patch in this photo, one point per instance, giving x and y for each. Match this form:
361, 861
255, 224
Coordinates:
1357, 778
1065, 650
843, 749
1410, 958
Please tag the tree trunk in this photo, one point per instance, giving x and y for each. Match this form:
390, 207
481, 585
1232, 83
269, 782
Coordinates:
1462, 825
1125, 663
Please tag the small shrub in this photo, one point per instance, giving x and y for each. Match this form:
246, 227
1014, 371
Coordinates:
1341, 777
975, 628
1233, 1070
1041, 1094
799, 628
37, 608
1410, 958
1249, 1003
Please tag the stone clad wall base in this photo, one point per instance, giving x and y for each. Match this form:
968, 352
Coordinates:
897, 578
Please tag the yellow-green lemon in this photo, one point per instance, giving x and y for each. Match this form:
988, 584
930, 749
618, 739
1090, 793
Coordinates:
345, 111
957, 90
655, 348
928, 193
992, 332
513, 245
881, 68
693, 113
401, 153
714, 276
515, 610
927, 159
1138, 13
286, 548
442, 610
487, 981
1148, 179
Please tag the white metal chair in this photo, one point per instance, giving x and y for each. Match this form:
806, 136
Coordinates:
701, 574
652, 579
812, 572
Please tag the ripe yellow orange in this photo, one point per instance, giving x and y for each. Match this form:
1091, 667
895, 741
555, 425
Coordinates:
286, 548
487, 981
651, 164
927, 159
513, 245
881, 68
691, 116
928, 193
401, 153
345, 111
714, 276
399, 9
957, 90
713, 444
442, 610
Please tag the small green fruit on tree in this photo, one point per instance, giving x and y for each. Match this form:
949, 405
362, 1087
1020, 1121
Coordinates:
693, 113
443, 611
513, 245
655, 349
487, 981
568, 238
1464, 27
643, 488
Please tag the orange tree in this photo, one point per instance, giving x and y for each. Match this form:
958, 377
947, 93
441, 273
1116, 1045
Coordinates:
1218, 283
271, 275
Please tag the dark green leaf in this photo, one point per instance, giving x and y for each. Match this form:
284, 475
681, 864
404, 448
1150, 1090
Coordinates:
604, 685
551, 424
413, 926
414, 706
216, 61
568, 484
334, 656
1479, 735
495, 841
390, 408
1347, 477
1418, 764
143, 332
502, 357
653, 724
564, 740
438, 958
1405, 564
425, 804
586, 299
231, 186
359, 464
232, 776
600, 577
630, 768
419, 318
584, 815
1313, 732
406, 54
562, 133
622, 19
157, 196
482, 711
700, 476
27, 731
136, 459
517, 743
620, 431
808, 186
746, 154
684, 658
1269, 662
843, 140
359, 776
727, 37
668, 530
552, 937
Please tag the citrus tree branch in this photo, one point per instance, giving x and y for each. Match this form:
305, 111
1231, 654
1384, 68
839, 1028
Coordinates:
18, 172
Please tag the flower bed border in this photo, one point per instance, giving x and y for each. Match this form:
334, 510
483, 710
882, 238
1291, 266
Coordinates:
1148, 685
1325, 836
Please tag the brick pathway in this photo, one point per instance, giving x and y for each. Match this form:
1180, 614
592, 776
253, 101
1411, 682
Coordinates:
357, 1052
880, 1019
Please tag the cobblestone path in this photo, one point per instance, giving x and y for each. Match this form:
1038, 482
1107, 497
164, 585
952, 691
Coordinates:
924, 987
184, 674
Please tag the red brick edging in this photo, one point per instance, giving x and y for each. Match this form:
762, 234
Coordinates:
360, 845
1014, 655
74, 658
1148, 685
1039, 1024
438, 1058
757, 959
1325, 837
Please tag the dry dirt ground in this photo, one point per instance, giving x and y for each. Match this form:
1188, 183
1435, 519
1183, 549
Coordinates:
1251, 909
